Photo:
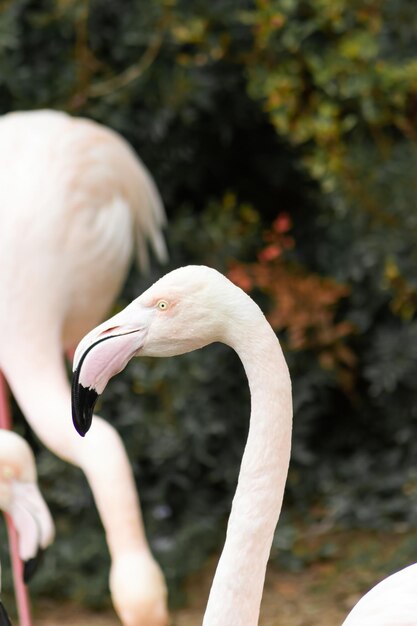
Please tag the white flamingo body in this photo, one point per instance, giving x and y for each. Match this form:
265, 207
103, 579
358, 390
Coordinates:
75, 203
392, 602
185, 310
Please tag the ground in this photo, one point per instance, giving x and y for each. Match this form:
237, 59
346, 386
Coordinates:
344, 566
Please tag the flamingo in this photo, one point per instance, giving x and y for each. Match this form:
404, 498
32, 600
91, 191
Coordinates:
75, 203
185, 310
4, 617
21, 499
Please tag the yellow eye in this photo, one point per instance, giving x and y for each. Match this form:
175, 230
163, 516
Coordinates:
162, 305
8, 472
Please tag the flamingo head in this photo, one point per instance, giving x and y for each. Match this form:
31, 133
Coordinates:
21, 498
185, 310
4, 617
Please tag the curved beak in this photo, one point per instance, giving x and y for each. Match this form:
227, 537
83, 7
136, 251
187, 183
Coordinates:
33, 523
102, 354
4, 618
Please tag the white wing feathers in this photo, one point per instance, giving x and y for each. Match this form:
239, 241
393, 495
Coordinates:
149, 216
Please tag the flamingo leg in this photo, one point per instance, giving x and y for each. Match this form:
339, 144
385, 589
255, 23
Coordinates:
21, 593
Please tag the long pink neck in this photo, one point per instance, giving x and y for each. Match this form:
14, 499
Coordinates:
40, 386
236, 593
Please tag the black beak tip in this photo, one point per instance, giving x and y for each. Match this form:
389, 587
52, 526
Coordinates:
31, 565
4, 618
83, 401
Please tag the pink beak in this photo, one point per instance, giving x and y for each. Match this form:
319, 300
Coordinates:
102, 354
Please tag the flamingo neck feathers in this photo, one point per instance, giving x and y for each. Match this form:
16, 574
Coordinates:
39, 383
235, 596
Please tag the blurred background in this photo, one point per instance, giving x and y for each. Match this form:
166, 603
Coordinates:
282, 136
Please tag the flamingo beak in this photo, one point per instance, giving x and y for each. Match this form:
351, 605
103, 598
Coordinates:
102, 354
83, 399
4, 618
31, 565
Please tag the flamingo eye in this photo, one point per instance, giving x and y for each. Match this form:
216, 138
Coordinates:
8, 472
162, 305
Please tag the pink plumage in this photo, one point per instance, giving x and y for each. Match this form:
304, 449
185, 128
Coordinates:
76, 204
186, 310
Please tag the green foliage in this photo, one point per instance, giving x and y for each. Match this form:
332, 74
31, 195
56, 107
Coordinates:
243, 111
331, 71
